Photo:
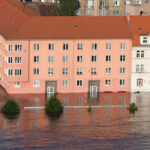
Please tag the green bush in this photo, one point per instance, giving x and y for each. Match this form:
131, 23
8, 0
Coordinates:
53, 106
137, 92
89, 109
10, 108
133, 107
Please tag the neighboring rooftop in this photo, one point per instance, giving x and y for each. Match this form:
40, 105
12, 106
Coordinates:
139, 25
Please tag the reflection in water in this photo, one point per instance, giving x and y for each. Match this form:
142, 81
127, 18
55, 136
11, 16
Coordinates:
103, 128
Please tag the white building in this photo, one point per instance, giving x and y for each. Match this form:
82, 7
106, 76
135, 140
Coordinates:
140, 76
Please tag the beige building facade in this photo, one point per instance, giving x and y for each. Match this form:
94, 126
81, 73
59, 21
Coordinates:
107, 7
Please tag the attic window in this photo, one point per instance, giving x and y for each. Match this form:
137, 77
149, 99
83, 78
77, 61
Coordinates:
139, 28
76, 26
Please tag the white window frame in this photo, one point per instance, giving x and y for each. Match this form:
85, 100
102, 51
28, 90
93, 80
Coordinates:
18, 48
18, 60
9, 60
107, 82
122, 82
108, 58
108, 70
80, 83
9, 47
18, 72
122, 70
36, 83
80, 46
36, 71
36, 59
50, 59
36, 47
64, 71
93, 58
79, 71
122, 46
51, 46
50, 71
65, 59
65, 46
16, 84
9, 72
79, 58
94, 46
108, 46
93, 70
65, 83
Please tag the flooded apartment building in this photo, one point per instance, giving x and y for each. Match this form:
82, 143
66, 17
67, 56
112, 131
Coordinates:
63, 54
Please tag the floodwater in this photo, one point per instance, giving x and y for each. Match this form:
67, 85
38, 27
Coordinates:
102, 128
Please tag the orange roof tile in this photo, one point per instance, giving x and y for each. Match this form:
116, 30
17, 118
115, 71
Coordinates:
72, 28
139, 25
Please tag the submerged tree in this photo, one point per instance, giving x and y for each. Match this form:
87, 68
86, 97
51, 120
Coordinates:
66, 8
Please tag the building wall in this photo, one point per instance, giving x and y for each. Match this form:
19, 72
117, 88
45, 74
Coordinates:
26, 83
96, 10
145, 75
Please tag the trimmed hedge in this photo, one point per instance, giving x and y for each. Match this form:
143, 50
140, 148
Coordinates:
10, 108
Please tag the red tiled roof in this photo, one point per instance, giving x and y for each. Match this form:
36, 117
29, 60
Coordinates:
139, 25
72, 28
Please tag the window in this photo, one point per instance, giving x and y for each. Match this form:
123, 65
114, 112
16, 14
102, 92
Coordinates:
108, 70
36, 47
36, 83
65, 59
18, 48
122, 70
9, 72
122, 46
50, 59
50, 71
80, 47
93, 71
36, 59
108, 58
65, 83
17, 85
18, 60
9, 48
36, 71
108, 46
65, 46
116, 2
51, 46
122, 58
79, 71
139, 68
65, 71
116, 12
9, 60
140, 54
93, 58
79, 83
122, 82
79, 59
144, 40
94, 46
139, 82
107, 82
18, 72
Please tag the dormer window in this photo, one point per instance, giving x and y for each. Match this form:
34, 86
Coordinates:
144, 40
